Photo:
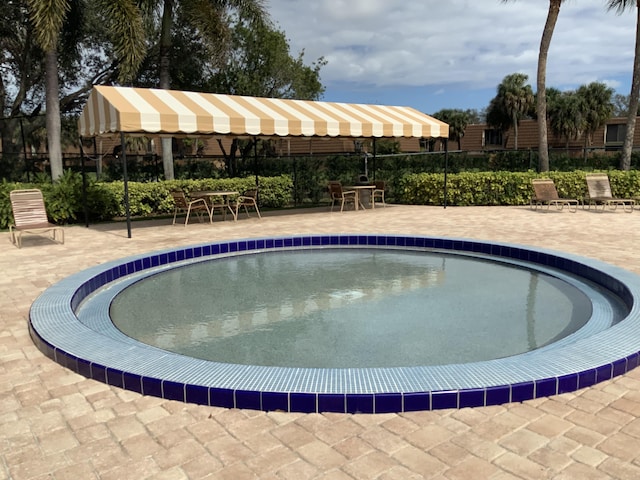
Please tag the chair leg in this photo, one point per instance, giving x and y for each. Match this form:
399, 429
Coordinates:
175, 213
186, 220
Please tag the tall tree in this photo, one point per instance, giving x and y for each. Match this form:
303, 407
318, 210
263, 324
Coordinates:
596, 108
21, 73
458, 121
514, 100
50, 18
565, 114
541, 100
211, 19
634, 96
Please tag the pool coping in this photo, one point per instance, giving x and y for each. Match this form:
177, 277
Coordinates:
57, 332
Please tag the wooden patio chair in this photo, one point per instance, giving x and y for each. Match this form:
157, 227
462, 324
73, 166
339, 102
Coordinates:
378, 193
343, 196
188, 206
248, 199
30, 216
545, 193
599, 190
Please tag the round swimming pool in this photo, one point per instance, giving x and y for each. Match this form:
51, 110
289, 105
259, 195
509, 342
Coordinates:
354, 308
593, 336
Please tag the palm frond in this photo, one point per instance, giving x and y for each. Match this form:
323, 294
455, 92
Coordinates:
212, 23
254, 11
621, 5
128, 34
48, 17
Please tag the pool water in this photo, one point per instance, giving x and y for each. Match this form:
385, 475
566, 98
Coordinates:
348, 308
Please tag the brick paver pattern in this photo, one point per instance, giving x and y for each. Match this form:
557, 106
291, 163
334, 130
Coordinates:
55, 424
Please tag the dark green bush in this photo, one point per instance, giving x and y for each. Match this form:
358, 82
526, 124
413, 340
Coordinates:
503, 188
105, 201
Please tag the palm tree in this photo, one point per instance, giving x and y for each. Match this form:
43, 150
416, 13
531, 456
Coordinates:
458, 121
565, 115
541, 100
625, 160
209, 17
596, 106
516, 99
48, 18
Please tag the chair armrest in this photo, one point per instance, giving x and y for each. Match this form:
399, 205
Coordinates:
198, 200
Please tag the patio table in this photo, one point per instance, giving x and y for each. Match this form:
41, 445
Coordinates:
358, 189
224, 206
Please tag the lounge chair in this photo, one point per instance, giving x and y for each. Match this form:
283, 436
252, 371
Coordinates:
188, 206
378, 193
600, 194
545, 193
343, 196
30, 216
248, 199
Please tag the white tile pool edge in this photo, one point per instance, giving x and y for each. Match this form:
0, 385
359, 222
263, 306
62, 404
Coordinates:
129, 364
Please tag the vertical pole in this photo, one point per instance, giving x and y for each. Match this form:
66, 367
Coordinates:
126, 184
98, 160
296, 192
255, 159
24, 150
84, 185
446, 161
374, 158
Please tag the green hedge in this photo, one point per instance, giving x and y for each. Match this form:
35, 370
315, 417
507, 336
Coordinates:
503, 188
105, 201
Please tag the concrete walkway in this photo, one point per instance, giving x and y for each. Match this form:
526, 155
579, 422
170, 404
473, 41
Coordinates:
55, 424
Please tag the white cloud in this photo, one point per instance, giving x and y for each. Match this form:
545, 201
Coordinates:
456, 43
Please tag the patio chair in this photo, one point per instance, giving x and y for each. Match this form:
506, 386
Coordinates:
545, 193
599, 190
188, 206
378, 193
343, 196
30, 216
248, 199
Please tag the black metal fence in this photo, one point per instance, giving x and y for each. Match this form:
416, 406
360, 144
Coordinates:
310, 174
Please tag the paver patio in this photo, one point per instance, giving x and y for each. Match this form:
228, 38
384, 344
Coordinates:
55, 424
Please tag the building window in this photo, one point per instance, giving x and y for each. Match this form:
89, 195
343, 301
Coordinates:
615, 133
614, 136
427, 144
492, 137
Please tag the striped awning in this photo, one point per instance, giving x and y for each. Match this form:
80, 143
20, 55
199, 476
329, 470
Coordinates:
151, 111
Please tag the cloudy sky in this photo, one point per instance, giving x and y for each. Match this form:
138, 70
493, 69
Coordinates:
435, 54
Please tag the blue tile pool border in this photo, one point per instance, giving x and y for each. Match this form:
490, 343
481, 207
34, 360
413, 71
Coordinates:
102, 353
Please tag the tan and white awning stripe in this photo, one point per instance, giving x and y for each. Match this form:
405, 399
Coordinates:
150, 111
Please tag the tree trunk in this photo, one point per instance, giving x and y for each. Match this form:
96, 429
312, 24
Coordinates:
541, 101
625, 161
53, 114
165, 81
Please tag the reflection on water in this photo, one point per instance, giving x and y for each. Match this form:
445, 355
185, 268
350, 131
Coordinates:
349, 308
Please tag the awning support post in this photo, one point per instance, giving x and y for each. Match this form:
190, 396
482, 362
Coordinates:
446, 162
374, 158
84, 185
126, 184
